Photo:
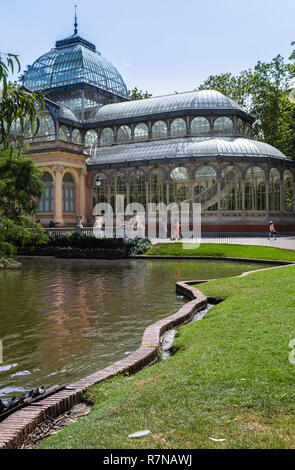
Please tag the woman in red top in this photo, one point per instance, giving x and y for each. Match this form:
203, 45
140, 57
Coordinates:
272, 231
176, 234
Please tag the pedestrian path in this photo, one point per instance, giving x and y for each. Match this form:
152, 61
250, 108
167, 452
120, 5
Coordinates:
287, 242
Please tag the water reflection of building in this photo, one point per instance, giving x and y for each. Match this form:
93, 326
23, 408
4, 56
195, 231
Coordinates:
194, 146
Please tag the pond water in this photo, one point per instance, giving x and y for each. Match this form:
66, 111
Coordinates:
61, 320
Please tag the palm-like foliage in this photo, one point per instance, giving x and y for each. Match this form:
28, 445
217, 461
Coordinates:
16, 103
20, 180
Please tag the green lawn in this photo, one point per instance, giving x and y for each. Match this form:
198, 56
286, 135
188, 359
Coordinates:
223, 251
230, 378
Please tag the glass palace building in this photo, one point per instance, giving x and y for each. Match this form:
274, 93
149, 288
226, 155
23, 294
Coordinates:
186, 147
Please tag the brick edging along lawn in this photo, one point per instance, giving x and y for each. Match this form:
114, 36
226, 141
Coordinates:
17, 426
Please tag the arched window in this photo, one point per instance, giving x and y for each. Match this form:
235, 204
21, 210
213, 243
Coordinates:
118, 188
200, 125
107, 136
248, 130
231, 192
77, 136
178, 128
159, 129
91, 138
261, 196
68, 194
179, 185
100, 192
45, 204
157, 187
22, 131
205, 190
288, 191
182, 194
223, 126
137, 188
274, 190
255, 190
64, 133
124, 134
46, 130
240, 127
121, 184
141, 131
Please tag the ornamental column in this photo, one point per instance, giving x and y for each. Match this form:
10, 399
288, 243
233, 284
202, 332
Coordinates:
82, 194
128, 193
243, 195
193, 190
58, 217
281, 197
150, 129
218, 196
167, 191
109, 189
147, 195
267, 197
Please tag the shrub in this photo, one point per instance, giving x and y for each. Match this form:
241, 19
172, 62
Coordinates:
81, 240
7, 249
21, 234
138, 246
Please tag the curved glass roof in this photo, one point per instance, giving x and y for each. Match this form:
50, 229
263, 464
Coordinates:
74, 60
67, 113
185, 147
203, 99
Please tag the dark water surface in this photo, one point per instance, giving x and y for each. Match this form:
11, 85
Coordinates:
61, 320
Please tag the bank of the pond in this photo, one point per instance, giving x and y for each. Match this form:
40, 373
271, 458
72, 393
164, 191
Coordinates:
9, 263
222, 251
230, 379
76, 317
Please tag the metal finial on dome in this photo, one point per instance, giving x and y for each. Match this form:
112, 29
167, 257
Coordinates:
76, 21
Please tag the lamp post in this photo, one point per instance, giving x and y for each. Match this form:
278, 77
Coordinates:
98, 182
98, 185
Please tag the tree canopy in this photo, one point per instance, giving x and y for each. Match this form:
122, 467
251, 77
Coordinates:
264, 92
137, 94
16, 103
20, 180
20, 184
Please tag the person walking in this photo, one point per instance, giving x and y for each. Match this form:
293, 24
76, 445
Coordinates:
272, 231
176, 232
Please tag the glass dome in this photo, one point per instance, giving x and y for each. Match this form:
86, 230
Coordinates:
205, 99
184, 148
74, 61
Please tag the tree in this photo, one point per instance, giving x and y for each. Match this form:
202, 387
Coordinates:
20, 180
137, 94
20, 185
233, 86
16, 103
264, 93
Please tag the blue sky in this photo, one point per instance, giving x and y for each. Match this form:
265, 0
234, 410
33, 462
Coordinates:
159, 45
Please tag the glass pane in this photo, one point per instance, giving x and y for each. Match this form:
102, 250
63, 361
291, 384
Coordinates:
223, 126
200, 125
178, 128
